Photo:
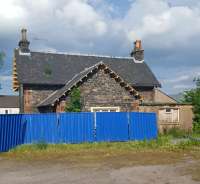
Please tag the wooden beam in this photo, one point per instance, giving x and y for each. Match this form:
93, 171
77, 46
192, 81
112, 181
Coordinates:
128, 87
101, 66
122, 83
118, 79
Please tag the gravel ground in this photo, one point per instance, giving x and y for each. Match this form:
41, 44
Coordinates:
52, 172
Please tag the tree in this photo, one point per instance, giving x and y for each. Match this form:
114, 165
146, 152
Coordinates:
75, 101
193, 96
2, 56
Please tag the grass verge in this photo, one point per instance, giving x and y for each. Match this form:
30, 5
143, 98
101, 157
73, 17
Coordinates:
45, 151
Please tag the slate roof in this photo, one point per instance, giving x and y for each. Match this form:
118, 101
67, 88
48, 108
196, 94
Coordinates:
58, 69
9, 101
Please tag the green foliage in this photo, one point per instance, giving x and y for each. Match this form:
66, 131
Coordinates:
177, 133
2, 56
187, 145
41, 145
193, 96
162, 143
75, 101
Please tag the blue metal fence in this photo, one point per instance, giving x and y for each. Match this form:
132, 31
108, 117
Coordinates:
111, 126
12, 131
75, 128
142, 126
40, 127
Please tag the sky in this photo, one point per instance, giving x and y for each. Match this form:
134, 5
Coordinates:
169, 30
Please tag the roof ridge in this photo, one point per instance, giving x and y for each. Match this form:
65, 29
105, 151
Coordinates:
81, 54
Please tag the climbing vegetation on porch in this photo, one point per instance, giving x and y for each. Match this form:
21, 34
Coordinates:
74, 104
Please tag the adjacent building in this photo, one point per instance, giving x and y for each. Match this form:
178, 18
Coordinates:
170, 113
9, 104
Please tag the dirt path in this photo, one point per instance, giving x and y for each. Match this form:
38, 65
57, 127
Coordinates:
20, 172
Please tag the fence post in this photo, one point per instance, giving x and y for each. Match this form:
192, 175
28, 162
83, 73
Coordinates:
128, 121
95, 126
57, 119
58, 133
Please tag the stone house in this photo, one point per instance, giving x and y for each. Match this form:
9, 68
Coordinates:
44, 81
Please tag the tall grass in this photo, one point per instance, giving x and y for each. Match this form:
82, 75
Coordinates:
41, 145
160, 144
178, 133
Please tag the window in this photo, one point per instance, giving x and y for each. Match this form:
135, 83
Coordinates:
105, 109
6, 111
169, 115
168, 110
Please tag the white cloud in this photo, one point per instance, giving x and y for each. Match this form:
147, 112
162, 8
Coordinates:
10, 9
78, 22
164, 26
170, 32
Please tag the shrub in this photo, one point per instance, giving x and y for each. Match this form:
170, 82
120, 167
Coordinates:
177, 132
196, 127
75, 101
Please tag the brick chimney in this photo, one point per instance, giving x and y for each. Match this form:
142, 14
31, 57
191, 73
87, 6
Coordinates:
138, 52
24, 43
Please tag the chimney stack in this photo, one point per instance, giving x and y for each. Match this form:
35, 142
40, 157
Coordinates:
138, 52
24, 43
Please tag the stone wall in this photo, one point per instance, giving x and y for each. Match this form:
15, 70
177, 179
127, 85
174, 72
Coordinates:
100, 90
33, 95
103, 91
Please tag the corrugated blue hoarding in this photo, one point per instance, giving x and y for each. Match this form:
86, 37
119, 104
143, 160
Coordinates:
111, 126
41, 128
75, 128
142, 126
12, 131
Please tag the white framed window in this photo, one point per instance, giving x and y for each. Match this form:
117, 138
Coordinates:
105, 109
169, 114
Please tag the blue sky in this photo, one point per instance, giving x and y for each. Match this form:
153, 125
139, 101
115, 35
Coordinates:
169, 30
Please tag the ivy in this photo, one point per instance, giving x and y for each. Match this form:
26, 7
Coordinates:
75, 101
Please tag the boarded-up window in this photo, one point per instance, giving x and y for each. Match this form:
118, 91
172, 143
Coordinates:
169, 114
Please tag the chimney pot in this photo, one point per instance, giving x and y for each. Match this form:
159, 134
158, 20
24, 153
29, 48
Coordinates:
24, 43
23, 34
138, 53
138, 44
